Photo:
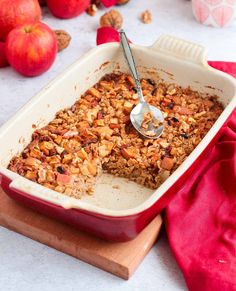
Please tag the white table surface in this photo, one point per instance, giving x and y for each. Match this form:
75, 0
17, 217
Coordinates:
29, 265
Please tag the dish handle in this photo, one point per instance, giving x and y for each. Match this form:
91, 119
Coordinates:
181, 49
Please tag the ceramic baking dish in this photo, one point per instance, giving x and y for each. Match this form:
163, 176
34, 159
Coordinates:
114, 214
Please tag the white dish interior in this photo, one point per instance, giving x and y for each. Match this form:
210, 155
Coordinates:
184, 65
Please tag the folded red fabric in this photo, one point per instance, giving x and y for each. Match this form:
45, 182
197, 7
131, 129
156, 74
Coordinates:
201, 219
227, 67
107, 34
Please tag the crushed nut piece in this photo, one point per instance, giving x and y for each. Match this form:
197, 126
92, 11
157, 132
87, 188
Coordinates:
150, 133
167, 163
149, 121
92, 10
146, 17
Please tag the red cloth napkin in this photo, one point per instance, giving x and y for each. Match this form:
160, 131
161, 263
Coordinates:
201, 219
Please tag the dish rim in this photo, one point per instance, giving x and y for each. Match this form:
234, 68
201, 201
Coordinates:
21, 184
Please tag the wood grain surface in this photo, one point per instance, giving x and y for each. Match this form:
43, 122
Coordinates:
120, 259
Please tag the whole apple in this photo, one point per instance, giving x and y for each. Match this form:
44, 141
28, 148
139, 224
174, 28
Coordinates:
17, 12
3, 58
67, 8
31, 49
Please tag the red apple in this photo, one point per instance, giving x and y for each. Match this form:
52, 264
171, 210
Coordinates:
67, 8
31, 49
3, 58
17, 12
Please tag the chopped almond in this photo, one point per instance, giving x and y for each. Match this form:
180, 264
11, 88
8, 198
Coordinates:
50, 176
58, 139
114, 120
84, 170
113, 126
60, 189
42, 175
32, 162
67, 158
94, 92
92, 169
106, 85
74, 170
208, 103
167, 163
70, 133
130, 80
64, 179
53, 160
83, 124
35, 153
47, 145
31, 175
92, 114
128, 106
99, 122
129, 153
104, 131
105, 149
82, 154
183, 110
59, 150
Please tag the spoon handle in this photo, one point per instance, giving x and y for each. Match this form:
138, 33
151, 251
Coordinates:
130, 60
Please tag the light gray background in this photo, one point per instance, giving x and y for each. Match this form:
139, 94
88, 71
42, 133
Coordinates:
28, 265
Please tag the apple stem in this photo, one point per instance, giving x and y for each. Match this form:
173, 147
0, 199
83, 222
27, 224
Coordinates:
28, 29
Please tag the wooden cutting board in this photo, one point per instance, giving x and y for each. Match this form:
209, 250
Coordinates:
120, 259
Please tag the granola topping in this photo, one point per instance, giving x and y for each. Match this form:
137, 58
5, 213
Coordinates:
95, 135
149, 124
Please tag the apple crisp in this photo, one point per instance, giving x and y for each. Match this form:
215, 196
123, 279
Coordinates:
95, 135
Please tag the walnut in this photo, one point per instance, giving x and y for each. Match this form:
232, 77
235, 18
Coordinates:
122, 2
146, 17
63, 39
112, 18
92, 10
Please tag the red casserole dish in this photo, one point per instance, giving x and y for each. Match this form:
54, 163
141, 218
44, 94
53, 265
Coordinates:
120, 215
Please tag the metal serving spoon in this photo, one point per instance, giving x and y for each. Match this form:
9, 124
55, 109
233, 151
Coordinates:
138, 113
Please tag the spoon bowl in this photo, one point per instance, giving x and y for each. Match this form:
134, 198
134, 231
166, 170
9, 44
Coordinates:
137, 116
